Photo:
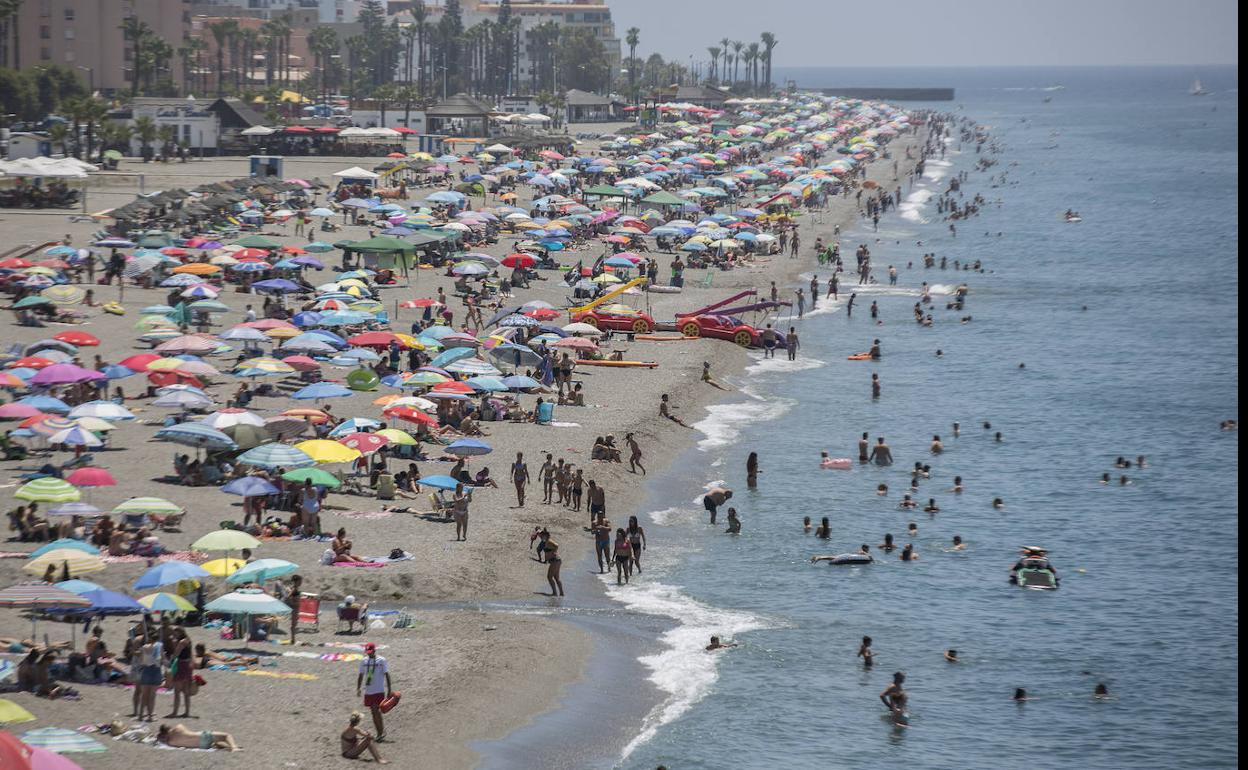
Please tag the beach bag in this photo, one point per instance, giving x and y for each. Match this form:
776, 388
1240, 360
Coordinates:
397, 554
327, 557
388, 704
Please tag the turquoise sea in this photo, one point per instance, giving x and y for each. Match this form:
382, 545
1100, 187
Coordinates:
1149, 597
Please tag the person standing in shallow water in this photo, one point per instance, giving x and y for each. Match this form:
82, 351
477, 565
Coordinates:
791, 343
881, 453
751, 471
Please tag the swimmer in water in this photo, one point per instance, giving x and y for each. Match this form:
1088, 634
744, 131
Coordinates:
894, 697
1020, 695
957, 485
806, 526
951, 656
998, 504
906, 502
1105, 478
999, 438
940, 353
987, 425
936, 447
864, 652
957, 426
1123, 481
1122, 462
1139, 461
912, 529
1101, 692
931, 506
888, 545
908, 554
716, 644
882, 490
958, 545
824, 530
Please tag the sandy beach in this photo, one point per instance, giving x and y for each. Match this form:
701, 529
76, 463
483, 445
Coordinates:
466, 676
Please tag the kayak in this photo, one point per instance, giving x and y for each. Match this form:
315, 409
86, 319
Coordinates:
642, 364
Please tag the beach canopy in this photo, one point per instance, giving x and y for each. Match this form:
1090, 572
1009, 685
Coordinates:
167, 572
261, 570
76, 561
248, 603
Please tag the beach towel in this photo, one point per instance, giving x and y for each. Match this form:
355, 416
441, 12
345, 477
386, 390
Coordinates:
365, 514
565, 425
282, 675
357, 564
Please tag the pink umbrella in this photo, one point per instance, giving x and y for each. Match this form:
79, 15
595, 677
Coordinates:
17, 411
42, 759
91, 477
302, 363
575, 343
64, 374
365, 443
187, 343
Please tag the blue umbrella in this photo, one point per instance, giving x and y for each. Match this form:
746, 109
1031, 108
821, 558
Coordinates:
320, 390
249, 486
619, 262
277, 285
521, 320
468, 447
487, 384
521, 382
78, 586
261, 570
46, 404
307, 343
276, 456
306, 318
196, 435
346, 318
355, 425
447, 357
103, 602
168, 572
117, 371
65, 542
439, 482
333, 339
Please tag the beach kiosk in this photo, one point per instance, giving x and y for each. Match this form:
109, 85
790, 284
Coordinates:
265, 166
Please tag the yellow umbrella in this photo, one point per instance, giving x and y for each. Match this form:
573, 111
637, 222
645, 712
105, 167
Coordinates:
11, 713
283, 333
221, 567
196, 268
421, 156
324, 451
410, 341
397, 437
606, 278
80, 562
63, 294
268, 364
163, 364
95, 424
167, 602
384, 400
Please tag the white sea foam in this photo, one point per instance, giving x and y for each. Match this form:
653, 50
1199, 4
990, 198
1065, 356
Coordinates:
724, 422
780, 364
937, 170
911, 208
681, 669
671, 515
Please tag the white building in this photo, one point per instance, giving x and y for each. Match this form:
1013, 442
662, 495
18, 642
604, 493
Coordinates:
328, 11
197, 127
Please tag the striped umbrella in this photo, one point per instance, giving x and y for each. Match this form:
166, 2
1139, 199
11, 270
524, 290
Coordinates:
75, 436
40, 595
196, 435
77, 562
52, 426
473, 366
61, 741
64, 294
248, 603
276, 456
148, 505
70, 543
48, 489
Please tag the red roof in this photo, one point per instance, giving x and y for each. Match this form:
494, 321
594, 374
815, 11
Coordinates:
298, 130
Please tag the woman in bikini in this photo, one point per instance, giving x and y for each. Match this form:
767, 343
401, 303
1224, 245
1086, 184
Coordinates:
184, 738
623, 557
354, 741
341, 547
553, 563
636, 539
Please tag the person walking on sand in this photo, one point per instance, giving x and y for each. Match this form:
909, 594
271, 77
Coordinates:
637, 539
553, 565
881, 454
801, 303
374, 680
520, 477
459, 511
634, 456
292, 601
546, 475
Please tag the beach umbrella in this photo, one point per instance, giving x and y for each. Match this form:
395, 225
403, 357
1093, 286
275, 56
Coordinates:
166, 602
439, 482
18, 411
67, 543
321, 390
77, 338
248, 436
11, 713
261, 570
248, 602
91, 477
397, 437
468, 447
79, 586
196, 435
276, 456
105, 602
76, 561
487, 384
521, 382
48, 425
64, 374
364, 443
231, 416
243, 334
187, 343
75, 436
168, 572
61, 741
34, 595
354, 425
575, 343
48, 489
104, 410
249, 486
324, 451
318, 477
183, 399
225, 540
473, 366
148, 505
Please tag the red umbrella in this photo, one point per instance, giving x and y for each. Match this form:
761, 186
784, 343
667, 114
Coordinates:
519, 260
52, 264
174, 251
139, 361
410, 303
302, 363
409, 414
453, 387
16, 263
31, 362
375, 340
14, 753
544, 314
242, 254
327, 130
91, 477
366, 443
298, 130
81, 339
168, 377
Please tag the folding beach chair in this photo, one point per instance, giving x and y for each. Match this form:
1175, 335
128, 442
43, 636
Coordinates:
310, 612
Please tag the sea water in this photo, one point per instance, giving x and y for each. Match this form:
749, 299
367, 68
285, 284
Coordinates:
1127, 324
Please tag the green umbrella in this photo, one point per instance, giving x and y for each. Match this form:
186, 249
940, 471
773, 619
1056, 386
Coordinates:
247, 436
317, 476
33, 300
48, 490
258, 242
112, 154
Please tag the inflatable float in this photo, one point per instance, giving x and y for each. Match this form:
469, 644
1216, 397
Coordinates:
641, 364
836, 463
113, 308
859, 357
851, 558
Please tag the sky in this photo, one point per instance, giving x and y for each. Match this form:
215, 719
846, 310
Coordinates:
951, 33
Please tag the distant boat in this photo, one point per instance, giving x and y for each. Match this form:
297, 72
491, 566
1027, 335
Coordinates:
1197, 89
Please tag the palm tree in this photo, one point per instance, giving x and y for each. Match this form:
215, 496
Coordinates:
222, 31
737, 45
751, 65
769, 43
420, 17
168, 135
714, 51
146, 130
58, 133
323, 43
92, 112
250, 39
136, 33
632, 37
9, 10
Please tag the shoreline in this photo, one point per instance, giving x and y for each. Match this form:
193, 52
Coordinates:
554, 655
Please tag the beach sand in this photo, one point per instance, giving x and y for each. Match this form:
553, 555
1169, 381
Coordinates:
461, 683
